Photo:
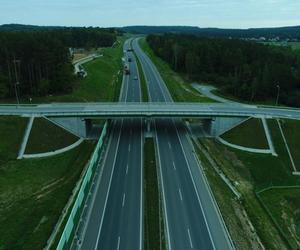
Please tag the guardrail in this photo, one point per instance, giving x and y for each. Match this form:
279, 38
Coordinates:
73, 220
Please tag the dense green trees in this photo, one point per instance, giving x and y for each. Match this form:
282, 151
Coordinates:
247, 70
41, 61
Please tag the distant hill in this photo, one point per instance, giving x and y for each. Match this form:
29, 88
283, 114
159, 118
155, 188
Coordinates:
23, 27
282, 32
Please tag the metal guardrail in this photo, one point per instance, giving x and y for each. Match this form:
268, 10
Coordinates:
73, 220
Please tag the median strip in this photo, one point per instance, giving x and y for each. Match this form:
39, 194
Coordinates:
153, 230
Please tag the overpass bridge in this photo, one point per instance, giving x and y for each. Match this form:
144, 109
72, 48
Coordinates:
148, 110
216, 118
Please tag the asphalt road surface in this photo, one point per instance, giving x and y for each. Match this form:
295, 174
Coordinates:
192, 219
116, 216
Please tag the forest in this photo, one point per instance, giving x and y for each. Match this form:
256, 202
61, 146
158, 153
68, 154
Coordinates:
292, 32
247, 70
38, 62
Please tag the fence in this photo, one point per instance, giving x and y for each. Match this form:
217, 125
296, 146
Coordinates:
269, 213
73, 220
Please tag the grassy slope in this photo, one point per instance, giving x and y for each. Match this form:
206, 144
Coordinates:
180, 90
249, 134
11, 135
286, 212
290, 129
103, 83
33, 192
46, 136
255, 171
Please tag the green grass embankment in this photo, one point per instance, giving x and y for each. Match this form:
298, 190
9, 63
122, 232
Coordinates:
252, 172
46, 137
33, 191
180, 89
249, 134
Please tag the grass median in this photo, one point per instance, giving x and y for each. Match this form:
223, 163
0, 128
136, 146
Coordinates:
153, 229
144, 89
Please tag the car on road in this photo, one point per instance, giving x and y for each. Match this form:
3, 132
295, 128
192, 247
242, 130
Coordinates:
135, 78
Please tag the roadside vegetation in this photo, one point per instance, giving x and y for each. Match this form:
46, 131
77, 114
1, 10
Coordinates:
290, 129
103, 81
283, 205
33, 192
154, 230
41, 60
251, 174
247, 70
179, 88
46, 137
250, 134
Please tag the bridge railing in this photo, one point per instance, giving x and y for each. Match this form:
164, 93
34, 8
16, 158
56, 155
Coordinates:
74, 217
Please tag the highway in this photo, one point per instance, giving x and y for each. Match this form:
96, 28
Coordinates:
154, 109
115, 219
191, 217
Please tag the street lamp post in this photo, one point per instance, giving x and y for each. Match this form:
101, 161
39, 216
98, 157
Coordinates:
278, 91
17, 79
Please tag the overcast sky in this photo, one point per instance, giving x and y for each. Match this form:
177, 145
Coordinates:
107, 13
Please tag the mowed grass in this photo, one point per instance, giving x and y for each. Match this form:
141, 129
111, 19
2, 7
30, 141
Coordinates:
266, 169
152, 215
284, 205
12, 130
290, 129
33, 193
45, 136
253, 172
250, 134
180, 90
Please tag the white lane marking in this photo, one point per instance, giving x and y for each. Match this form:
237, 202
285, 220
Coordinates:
202, 210
174, 166
126, 169
191, 243
109, 185
129, 148
123, 201
180, 194
169, 145
118, 246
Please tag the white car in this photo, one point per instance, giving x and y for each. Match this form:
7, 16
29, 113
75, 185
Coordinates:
135, 78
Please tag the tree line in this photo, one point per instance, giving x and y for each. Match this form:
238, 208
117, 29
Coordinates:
247, 70
40, 61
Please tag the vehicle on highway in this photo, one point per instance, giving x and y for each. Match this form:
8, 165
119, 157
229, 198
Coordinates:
129, 59
126, 69
135, 78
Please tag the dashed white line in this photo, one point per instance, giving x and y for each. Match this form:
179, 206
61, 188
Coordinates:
180, 194
191, 243
118, 246
129, 148
174, 166
169, 145
126, 169
123, 202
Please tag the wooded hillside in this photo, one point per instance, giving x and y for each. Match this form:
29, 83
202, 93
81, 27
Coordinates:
246, 70
41, 61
